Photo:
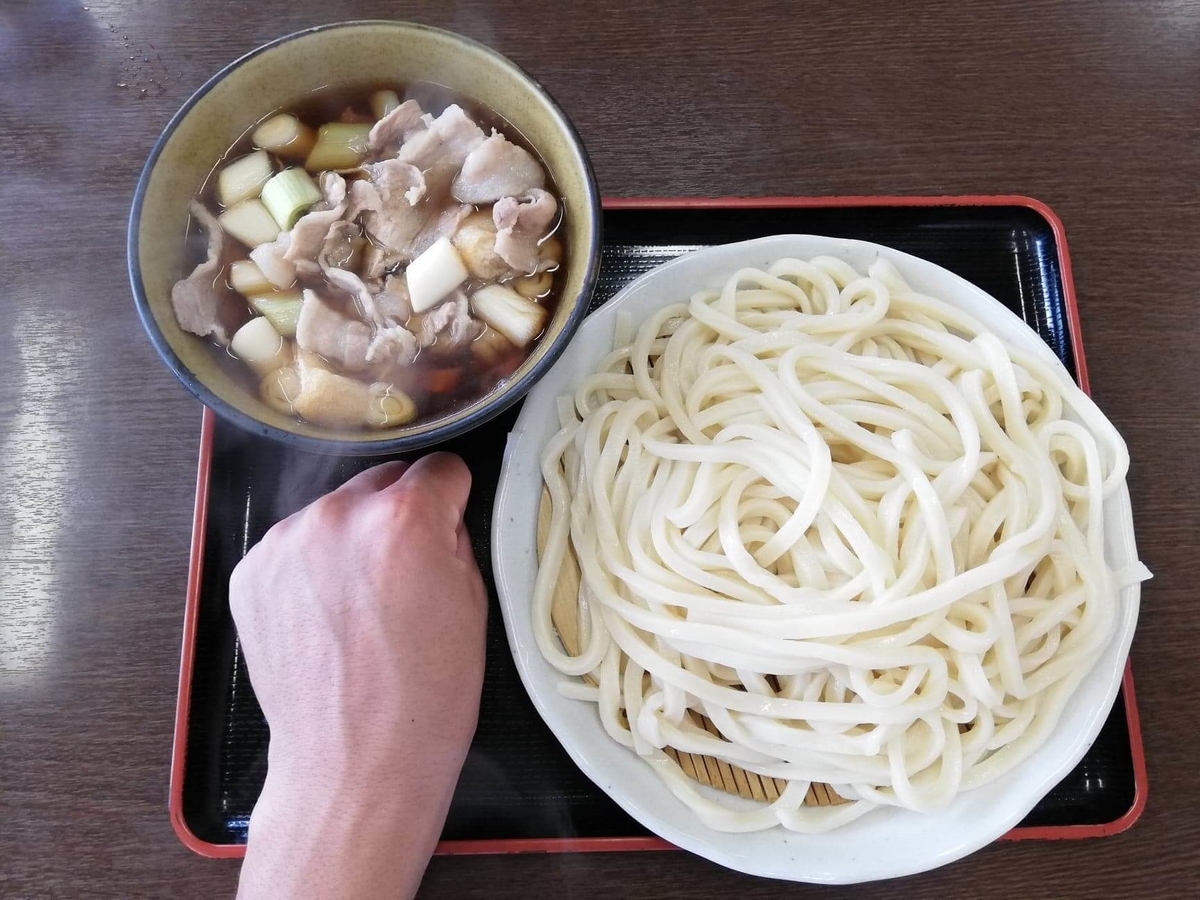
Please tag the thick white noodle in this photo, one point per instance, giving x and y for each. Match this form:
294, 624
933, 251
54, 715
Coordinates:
844, 522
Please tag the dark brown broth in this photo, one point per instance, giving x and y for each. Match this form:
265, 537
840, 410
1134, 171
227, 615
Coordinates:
476, 379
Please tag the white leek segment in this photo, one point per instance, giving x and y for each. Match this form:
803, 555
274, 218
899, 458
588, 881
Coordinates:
384, 102
340, 146
243, 178
281, 309
287, 196
250, 223
434, 274
260, 346
247, 278
286, 136
518, 319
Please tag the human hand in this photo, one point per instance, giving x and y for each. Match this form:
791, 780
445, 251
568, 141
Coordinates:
362, 618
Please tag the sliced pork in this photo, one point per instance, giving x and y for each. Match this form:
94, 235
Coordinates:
394, 345
333, 189
340, 339
450, 324
520, 224
340, 247
497, 168
353, 285
272, 260
395, 179
405, 232
405, 202
390, 132
307, 238
202, 304
393, 300
362, 196
390, 340
390, 219
447, 141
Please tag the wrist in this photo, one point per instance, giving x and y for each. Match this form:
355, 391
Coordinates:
340, 830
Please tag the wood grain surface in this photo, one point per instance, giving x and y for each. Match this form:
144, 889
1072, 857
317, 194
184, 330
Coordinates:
1093, 107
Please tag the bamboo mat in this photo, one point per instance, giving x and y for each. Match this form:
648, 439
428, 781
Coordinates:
704, 769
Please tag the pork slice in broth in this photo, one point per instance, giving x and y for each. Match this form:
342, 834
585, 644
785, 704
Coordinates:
201, 302
272, 260
390, 132
450, 325
307, 238
393, 300
391, 341
520, 224
413, 207
448, 140
323, 330
333, 190
340, 247
362, 196
396, 180
405, 231
497, 168
363, 298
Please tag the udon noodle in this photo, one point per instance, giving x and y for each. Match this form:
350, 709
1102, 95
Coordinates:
857, 531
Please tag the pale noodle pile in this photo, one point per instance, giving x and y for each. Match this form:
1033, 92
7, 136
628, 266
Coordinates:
844, 522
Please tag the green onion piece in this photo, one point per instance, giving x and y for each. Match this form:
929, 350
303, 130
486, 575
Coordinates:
340, 146
281, 309
288, 195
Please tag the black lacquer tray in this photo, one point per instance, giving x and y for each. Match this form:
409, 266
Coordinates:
519, 790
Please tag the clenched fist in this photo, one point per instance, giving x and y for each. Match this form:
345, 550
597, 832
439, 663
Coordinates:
362, 618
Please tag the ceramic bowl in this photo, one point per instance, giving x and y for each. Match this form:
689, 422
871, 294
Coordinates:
275, 76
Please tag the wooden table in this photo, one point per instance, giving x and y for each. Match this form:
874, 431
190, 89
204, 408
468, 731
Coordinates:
1093, 107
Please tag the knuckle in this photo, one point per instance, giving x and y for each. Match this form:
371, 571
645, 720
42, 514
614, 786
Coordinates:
335, 507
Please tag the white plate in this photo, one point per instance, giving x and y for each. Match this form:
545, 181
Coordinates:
887, 842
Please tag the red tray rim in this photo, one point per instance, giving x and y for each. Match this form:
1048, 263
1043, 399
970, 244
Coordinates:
571, 845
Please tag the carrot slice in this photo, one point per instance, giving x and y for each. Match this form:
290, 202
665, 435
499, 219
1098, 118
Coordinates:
442, 381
